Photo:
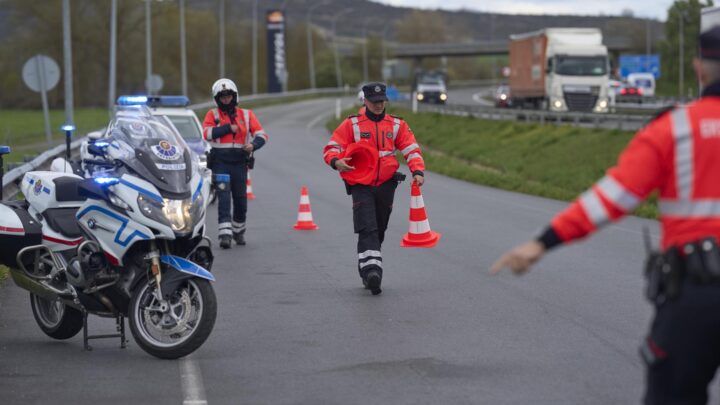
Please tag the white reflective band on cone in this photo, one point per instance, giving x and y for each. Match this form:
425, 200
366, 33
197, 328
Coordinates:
420, 226
304, 199
594, 208
417, 202
368, 253
369, 262
618, 194
305, 216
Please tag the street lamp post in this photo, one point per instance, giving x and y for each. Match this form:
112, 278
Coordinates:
148, 47
183, 49
112, 77
338, 72
365, 52
681, 71
311, 58
254, 48
67, 61
384, 50
221, 18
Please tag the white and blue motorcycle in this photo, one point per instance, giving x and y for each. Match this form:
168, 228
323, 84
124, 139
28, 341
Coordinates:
127, 243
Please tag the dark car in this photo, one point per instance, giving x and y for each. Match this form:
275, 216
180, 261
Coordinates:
629, 94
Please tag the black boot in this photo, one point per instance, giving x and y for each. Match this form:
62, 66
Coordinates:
239, 238
373, 281
225, 241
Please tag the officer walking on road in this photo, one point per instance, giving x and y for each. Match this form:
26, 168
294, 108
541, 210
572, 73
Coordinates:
234, 134
677, 154
373, 198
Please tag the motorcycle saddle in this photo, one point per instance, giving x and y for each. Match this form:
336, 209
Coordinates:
63, 221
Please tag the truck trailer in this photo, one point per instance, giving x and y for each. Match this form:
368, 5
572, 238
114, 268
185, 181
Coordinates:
559, 69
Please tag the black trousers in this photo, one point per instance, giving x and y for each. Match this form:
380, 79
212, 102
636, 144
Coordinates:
232, 201
682, 351
372, 206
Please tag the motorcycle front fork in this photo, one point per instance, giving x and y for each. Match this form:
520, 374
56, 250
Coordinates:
154, 256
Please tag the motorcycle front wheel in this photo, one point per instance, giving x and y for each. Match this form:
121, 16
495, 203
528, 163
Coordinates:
176, 327
56, 319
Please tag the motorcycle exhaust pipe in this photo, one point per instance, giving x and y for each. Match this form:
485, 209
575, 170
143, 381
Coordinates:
42, 289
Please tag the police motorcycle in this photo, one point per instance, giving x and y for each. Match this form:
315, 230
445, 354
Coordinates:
125, 243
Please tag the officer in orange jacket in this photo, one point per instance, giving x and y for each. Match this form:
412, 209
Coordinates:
677, 154
234, 134
373, 200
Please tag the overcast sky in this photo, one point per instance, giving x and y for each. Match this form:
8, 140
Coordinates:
641, 8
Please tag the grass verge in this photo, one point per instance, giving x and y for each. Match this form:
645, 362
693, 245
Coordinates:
558, 162
24, 130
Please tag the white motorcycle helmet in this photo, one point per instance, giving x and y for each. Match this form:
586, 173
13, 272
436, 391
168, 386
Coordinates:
224, 86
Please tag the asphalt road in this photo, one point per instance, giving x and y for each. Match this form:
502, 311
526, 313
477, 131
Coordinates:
295, 325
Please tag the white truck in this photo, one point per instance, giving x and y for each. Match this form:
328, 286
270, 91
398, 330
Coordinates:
560, 69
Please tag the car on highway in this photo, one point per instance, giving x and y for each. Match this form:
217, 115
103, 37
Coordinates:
629, 94
502, 96
644, 81
431, 89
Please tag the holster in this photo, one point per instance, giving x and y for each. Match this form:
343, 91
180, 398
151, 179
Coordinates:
664, 273
251, 161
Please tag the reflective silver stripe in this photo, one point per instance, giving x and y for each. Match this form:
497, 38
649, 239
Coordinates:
415, 156
356, 129
261, 132
370, 262
227, 145
396, 128
225, 231
225, 225
409, 149
238, 225
690, 209
246, 116
368, 253
384, 153
682, 131
333, 143
594, 208
618, 194
216, 113
208, 134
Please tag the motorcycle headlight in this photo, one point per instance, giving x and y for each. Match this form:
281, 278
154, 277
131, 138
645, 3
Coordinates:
152, 209
178, 212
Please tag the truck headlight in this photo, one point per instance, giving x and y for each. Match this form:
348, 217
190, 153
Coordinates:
443, 96
420, 96
603, 104
557, 104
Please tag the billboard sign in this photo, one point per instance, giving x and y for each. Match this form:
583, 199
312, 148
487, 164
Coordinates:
640, 64
277, 64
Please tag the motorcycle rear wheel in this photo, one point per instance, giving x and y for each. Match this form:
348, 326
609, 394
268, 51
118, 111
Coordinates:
56, 319
179, 329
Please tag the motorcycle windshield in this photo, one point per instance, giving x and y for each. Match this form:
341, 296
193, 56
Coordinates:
152, 147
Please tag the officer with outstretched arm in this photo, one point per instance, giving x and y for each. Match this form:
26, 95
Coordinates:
677, 155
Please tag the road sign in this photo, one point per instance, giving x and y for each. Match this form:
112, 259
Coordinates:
41, 73
155, 84
640, 64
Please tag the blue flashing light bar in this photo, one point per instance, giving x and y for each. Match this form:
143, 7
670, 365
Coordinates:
4, 150
154, 101
68, 127
101, 144
106, 181
132, 100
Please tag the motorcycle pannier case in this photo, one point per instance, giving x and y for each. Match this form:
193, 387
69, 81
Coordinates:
17, 230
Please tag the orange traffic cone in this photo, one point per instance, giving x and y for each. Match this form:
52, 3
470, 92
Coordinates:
305, 219
419, 234
248, 183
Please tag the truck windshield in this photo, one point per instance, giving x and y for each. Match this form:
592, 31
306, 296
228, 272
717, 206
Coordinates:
580, 65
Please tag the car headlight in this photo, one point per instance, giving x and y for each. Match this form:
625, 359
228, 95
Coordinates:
443, 96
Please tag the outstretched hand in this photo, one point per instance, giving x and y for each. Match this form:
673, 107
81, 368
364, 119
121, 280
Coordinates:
520, 258
343, 166
420, 180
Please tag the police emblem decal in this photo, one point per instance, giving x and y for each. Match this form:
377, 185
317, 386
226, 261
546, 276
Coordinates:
165, 150
377, 89
38, 187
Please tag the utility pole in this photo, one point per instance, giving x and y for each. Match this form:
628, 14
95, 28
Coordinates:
112, 76
67, 59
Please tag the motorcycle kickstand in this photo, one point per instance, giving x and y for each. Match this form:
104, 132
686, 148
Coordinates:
119, 326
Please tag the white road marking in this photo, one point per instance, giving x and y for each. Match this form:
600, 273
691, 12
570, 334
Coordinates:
192, 382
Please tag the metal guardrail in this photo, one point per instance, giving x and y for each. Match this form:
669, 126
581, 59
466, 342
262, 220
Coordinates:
277, 96
627, 122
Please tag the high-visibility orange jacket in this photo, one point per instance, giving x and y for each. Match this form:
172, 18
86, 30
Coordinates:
216, 129
677, 154
388, 135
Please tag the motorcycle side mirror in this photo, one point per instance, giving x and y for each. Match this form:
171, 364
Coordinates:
96, 150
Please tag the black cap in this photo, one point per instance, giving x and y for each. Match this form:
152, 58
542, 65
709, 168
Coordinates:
710, 44
374, 92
